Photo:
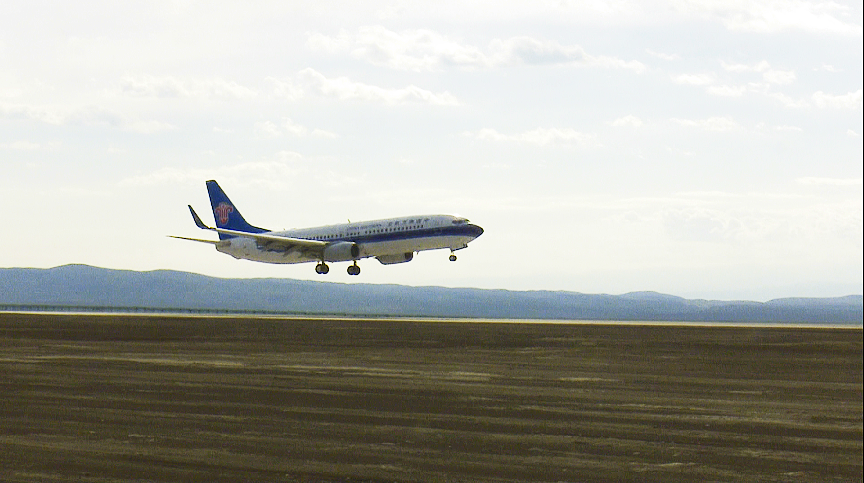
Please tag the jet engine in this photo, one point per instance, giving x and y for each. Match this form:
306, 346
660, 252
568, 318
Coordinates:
341, 252
398, 258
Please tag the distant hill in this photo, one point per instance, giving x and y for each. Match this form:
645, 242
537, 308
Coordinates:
86, 286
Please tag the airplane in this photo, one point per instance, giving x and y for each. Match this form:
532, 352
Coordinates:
390, 241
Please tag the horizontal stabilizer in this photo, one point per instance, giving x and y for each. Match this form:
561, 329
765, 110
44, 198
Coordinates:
212, 242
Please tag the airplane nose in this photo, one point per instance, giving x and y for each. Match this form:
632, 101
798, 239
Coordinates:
475, 230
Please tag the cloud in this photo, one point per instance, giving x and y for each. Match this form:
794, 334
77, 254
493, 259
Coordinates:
851, 100
343, 88
628, 120
539, 136
756, 88
727, 91
769, 75
311, 82
48, 115
153, 87
770, 225
244, 173
147, 127
426, 50
286, 89
415, 50
829, 68
710, 124
694, 79
530, 51
267, 129
86, 116
777, 16
172, 87
813, 181
286, 171
321, 133
725, 219
20, 146
289, 127
321, 42
758, 67
702, 224
779, 76
788, 101
101, 117
660, 55
293, 128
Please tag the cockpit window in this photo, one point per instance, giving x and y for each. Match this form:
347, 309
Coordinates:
460, 221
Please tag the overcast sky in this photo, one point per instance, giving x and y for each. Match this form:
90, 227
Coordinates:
699, 148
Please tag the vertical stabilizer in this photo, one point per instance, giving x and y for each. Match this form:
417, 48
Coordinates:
226, 214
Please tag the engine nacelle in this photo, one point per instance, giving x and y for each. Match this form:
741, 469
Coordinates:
398, 258
341, 252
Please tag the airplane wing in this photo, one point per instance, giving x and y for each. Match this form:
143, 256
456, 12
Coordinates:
266, 240
270, 240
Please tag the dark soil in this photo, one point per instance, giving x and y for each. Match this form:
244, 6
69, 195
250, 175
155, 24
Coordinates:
155, 399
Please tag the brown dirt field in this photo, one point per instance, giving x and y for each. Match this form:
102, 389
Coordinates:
169, 398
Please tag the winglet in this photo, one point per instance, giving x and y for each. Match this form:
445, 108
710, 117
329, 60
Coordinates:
198, 222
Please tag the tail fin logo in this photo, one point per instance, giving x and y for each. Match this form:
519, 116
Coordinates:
222, 211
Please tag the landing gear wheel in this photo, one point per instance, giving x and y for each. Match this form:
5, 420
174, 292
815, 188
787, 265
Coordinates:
322, 268
452, 257
354, 269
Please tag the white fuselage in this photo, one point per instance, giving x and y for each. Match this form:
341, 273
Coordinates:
387, 239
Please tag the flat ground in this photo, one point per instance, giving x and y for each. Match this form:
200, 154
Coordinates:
162, 398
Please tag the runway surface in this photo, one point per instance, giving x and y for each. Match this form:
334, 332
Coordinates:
168, 398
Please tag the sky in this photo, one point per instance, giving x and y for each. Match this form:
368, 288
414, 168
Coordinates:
700, 148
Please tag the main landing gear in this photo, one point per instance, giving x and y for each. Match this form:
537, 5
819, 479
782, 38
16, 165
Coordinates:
354, 269
323, 269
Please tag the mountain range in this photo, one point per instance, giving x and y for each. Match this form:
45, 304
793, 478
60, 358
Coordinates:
74, 287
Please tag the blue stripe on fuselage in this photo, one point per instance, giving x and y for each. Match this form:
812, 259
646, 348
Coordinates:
460, 230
